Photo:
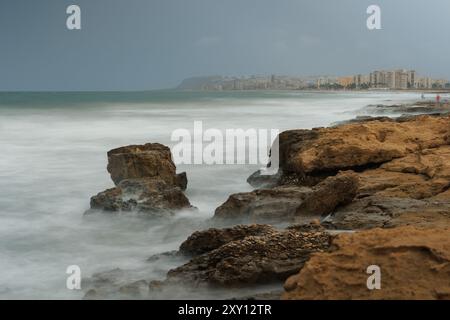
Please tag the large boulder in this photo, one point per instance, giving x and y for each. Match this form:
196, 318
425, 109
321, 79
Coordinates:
151, 160
358, 145
254, 259
330, 193
414, 264
152, 196
146, 182
289, 203
266, 205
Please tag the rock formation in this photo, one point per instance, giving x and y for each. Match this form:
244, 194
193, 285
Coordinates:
414, 264
267, 256
286, 203
359, 145
151, 160
408, 190
204, 241
146, 181
420, 107
402, 166
387, 181
373, 173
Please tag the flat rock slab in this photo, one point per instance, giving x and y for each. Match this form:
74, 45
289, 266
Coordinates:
414, 264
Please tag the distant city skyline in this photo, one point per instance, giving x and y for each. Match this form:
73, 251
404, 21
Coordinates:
143, 45
400, 79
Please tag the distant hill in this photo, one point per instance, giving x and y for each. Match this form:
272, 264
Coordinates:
199, 83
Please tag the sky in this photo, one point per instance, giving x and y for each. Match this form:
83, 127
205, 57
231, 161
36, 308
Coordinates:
153, 44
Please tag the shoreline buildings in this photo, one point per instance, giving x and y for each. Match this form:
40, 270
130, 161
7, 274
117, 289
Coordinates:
399, 79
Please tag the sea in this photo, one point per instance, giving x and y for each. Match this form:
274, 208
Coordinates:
53, 149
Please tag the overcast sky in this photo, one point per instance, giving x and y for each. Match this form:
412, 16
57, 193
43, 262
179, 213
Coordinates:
150, 44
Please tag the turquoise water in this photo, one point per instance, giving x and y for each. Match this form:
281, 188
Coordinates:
53, 159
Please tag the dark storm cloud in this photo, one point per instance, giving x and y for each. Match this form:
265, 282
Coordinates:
144, 44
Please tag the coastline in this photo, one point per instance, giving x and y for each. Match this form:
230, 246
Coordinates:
126, 241
378, 182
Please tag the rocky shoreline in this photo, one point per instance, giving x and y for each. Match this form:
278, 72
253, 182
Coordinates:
369, 191
419, 107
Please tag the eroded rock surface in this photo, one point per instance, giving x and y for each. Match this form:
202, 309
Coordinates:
420, 107
359, 144
402, 167
266, 205
409, 190
146, 182
204, 241
414, 263
254, 259
151, 160
153, 196
366, 174
330, 193
286, 203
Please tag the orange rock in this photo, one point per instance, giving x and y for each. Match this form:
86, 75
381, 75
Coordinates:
151, 160
414, 263
359, 144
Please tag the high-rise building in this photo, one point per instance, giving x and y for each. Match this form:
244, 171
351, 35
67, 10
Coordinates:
400, 79
411, 79
393, 79
361, 80
378, 79
390, 79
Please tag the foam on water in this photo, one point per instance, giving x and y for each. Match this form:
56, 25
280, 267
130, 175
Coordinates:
54, 159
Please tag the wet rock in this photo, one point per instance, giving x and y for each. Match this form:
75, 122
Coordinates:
115, 284
414, 263
91, 294
286, 203
156, 285
150, 196
330, 193
181, 181
371, 212
401, 165
165, 255
146, 182
112, 200
265, 205
258, 180
151, 160
360, 119
136, 289
421, 107
204, 241
385, 212
101, 284
253, 259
